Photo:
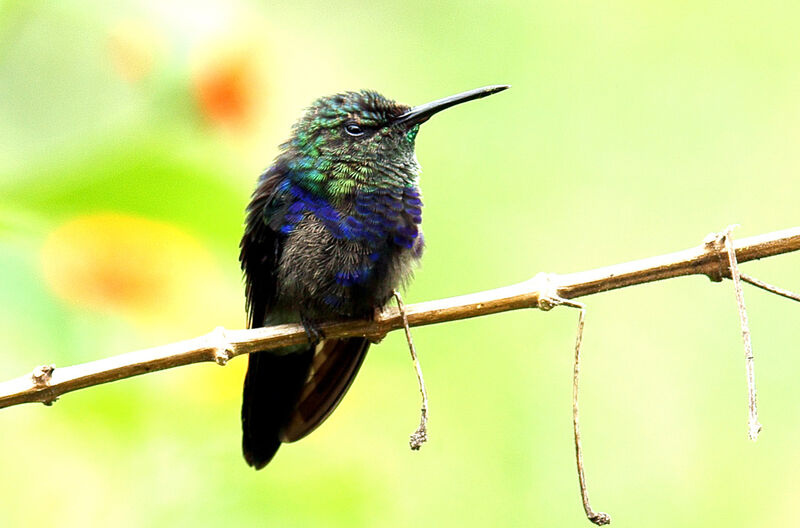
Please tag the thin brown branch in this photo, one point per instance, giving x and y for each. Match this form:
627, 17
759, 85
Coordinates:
219, 346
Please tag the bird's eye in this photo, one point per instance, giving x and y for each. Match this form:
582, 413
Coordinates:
353, 129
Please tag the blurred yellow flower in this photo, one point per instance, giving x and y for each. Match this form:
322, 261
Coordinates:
139, 267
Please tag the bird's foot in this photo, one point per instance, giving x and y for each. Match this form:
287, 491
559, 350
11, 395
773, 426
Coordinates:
315, 335
376, 315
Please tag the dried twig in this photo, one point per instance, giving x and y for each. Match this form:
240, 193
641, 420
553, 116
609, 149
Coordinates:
420, 436
702, 260
753, 426
769, 287
598, 518
547, 302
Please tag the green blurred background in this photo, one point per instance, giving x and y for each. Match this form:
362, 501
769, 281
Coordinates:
131, 134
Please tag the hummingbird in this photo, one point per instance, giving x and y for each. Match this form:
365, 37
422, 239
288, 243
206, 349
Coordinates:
332, 229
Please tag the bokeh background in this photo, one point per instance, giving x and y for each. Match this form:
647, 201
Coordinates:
131, 134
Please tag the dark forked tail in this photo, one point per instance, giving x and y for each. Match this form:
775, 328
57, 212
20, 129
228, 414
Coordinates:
271, 388
289, 393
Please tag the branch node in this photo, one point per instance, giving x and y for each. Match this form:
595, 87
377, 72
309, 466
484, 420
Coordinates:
41, 377
223, 350
547, 287
715, 243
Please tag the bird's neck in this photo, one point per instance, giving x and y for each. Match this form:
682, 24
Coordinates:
340, 183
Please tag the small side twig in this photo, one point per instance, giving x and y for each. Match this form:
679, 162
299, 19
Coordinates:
420, 436
753, 426
769, 287
598, 518
546, 303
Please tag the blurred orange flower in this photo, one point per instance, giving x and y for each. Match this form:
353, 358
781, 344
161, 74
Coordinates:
229, 83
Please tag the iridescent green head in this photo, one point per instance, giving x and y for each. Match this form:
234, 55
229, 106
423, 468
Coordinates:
361, 138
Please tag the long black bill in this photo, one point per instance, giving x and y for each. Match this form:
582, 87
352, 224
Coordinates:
421, 113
